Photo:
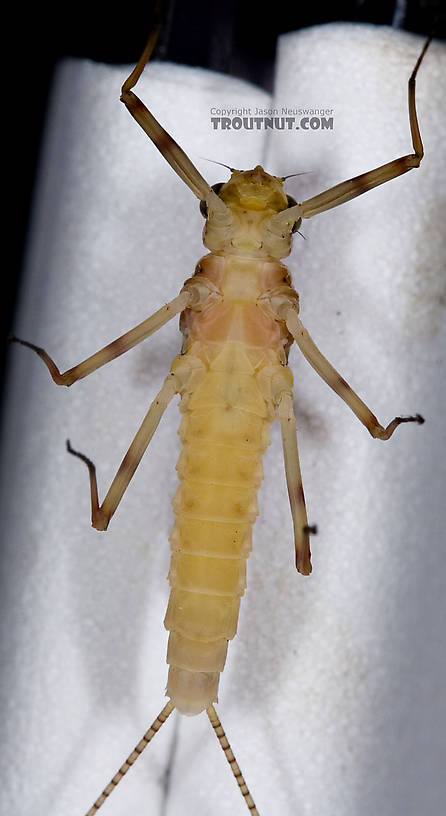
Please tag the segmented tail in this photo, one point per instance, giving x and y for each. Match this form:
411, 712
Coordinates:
156, 725
227, 750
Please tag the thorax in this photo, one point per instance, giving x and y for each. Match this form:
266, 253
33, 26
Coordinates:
237, 314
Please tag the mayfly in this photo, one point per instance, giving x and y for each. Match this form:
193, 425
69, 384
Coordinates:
239, 317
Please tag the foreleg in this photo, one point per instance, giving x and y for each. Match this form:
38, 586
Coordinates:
358, 185
163, 141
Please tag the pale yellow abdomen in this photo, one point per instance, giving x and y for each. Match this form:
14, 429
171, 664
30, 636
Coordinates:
224, 432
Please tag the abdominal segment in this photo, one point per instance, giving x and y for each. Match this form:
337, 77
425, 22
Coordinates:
224, 431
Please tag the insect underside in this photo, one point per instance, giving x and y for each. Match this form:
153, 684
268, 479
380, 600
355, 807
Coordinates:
239, 317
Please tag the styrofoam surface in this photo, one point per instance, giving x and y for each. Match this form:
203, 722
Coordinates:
333, 695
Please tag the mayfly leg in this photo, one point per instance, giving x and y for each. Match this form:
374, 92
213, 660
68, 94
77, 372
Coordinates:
101, 514
358, 185
114, 349
296, 495
339, 385
192, 295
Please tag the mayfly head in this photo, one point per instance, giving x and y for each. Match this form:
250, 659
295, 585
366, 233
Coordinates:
254, 190
256, 200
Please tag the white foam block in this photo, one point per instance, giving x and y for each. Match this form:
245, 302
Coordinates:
332, 695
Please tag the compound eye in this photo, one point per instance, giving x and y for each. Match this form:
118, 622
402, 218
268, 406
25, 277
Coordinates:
296, 225
293, 203
203, 206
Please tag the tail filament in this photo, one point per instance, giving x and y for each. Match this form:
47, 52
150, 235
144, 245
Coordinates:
156, 725
239, 778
